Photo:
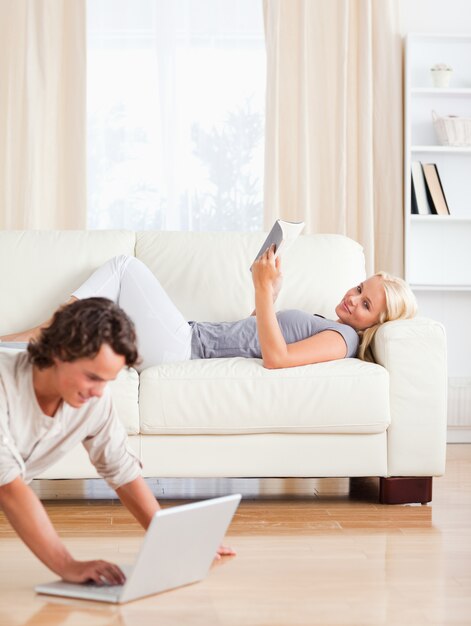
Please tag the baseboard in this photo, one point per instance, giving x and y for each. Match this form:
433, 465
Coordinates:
458, 435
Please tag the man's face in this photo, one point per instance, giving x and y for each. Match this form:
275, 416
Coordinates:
81, 380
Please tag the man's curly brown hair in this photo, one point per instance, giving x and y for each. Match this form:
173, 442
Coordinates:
78, 330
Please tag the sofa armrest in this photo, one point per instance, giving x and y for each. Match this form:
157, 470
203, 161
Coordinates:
414, 353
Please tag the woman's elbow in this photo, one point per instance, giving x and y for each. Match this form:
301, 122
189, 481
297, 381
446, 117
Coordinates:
272, 364
274, 359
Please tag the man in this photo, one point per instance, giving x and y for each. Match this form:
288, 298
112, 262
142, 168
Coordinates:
54, 396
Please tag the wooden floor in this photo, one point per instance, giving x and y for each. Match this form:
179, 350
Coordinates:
309, 552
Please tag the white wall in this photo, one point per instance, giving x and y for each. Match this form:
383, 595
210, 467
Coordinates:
435, 16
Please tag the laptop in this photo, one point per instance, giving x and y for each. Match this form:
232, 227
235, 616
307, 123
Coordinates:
178, 549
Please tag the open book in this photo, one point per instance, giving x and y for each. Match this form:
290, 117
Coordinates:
282, 235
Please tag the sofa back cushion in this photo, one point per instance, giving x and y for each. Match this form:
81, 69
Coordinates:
207, 274
40, 269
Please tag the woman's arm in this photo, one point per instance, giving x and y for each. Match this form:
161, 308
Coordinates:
276, 353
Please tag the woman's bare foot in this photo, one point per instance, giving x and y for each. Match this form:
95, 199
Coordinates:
27, 335
32, 333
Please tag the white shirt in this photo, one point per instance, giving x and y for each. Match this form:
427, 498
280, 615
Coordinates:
31, 441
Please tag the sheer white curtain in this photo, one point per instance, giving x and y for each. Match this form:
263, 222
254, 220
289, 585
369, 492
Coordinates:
334, 122
176, 107
42, 114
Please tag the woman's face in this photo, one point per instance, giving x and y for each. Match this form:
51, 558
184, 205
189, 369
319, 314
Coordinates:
361, 306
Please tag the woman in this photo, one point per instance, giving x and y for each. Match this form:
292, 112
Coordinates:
285, 339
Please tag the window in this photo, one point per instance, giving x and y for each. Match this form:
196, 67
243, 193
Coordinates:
175, 114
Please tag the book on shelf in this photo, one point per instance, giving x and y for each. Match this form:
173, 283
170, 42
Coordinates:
414, 209
435, 192
419, 199
282, 236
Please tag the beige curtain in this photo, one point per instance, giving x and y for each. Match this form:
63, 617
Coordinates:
334, 122
42, 114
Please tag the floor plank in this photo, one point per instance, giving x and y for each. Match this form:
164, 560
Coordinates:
309, 552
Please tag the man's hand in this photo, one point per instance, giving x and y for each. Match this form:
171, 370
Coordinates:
28, 517
225, 551
102, 572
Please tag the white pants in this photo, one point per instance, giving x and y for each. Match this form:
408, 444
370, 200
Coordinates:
163, 334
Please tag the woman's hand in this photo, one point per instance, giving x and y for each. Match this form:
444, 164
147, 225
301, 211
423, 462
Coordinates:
278, 282
266, 272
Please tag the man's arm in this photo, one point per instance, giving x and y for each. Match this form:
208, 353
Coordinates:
139, 500
29, 519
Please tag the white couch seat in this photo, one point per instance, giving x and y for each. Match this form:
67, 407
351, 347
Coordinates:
240, 396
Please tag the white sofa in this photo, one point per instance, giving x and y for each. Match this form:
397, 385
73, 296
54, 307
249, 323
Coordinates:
232, 417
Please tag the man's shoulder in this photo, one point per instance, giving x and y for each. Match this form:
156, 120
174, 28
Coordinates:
14, 369
12, 358
15, 346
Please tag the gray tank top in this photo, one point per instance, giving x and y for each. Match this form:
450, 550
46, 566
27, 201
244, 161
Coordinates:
212, 340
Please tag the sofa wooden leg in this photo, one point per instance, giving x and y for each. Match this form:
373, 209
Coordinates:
405, 490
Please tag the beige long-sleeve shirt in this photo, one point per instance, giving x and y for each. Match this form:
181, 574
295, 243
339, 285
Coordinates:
31, 441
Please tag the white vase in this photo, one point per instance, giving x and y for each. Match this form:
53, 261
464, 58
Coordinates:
441, 78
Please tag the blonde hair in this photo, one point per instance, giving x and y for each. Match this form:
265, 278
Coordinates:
400, 305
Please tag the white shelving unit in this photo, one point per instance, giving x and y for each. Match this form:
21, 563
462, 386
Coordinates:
438, 248
441, 149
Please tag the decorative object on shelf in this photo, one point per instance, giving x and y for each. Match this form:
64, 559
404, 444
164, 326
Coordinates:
452, 130
441, 75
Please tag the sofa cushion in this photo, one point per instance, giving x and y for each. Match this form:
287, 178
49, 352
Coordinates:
234, 396
40, 269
